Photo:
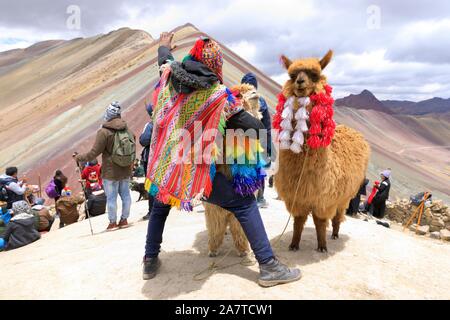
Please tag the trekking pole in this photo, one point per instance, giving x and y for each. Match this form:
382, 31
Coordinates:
86, 209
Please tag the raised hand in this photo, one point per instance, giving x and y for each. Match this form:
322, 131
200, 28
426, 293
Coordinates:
165, 39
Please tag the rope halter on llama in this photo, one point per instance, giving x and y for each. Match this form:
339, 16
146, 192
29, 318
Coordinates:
322, 126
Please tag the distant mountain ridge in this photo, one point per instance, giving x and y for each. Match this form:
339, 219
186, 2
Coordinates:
364, 100
368, 101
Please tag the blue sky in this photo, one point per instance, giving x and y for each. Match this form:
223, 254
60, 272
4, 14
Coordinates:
397, 49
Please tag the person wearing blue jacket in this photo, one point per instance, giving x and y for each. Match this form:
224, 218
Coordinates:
145, 140
250, 78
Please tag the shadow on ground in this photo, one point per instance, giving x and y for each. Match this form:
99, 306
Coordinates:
176, 276
307, 254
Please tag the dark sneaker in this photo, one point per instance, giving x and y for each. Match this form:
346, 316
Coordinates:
123, 223
146, 217
112, 226
151, 267
274, 273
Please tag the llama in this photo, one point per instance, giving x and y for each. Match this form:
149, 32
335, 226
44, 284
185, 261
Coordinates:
332, 172
218, 219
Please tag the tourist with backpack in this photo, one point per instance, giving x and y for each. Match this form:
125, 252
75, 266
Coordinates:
11, 189
116, 143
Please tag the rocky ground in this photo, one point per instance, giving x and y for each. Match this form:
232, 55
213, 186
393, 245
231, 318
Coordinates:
434, 221
368, 261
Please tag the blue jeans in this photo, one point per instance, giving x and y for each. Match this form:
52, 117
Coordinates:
112, 189
244, 208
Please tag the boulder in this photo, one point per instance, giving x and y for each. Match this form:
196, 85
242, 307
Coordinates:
445, 234
435, 235
438, 222
422, 230
437, 204
413, 227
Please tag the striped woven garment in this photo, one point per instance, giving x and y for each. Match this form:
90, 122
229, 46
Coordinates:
177, 171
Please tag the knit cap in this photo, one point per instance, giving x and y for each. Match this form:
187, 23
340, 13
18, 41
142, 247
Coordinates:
112, 111
209, 53
66, 192
386, 173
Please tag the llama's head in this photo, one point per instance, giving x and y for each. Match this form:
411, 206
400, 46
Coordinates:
249, 97
305, 75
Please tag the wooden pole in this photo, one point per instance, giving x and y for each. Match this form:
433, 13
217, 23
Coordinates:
425, 197
413, 216
40, 186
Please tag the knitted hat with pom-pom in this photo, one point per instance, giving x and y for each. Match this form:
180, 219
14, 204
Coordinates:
209, 53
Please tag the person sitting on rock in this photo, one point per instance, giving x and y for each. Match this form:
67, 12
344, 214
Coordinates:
11, 188
21, 229
67, 207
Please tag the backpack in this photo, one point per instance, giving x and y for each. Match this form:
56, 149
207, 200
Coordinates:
3, 192
50, 190
124, 149
96, 204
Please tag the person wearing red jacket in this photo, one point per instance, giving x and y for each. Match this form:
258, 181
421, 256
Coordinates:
92, 175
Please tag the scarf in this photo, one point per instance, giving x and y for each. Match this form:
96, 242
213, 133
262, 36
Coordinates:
176, 174
322, 126
190, 76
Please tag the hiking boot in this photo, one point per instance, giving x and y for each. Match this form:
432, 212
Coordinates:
146, 217
123, 223
151, 267
274, 272
111, 226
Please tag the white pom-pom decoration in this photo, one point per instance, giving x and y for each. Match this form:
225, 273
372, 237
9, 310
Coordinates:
288, 113
285, 145
301, 114
303, 101
285, 135
302, 126
296, 148
286, 124
298, 137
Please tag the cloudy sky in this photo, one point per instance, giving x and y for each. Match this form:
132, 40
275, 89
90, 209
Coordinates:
397, 49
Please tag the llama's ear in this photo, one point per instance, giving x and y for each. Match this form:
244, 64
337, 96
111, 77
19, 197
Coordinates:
326, 59
286, 61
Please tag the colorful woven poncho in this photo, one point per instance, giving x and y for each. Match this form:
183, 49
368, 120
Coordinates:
175, 173
183, 150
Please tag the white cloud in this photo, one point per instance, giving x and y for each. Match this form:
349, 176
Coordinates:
406, 58
244, 49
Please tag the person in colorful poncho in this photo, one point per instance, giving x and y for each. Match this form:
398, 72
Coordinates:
191, 96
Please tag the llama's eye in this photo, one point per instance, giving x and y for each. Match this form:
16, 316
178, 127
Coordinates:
293, 76
315, 77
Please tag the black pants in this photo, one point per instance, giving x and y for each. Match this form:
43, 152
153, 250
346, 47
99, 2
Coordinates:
379, 209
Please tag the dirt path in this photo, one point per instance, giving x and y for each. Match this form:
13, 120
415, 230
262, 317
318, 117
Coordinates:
367, 262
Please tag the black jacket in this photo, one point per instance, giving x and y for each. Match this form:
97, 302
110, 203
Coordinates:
20, 232
145, 139
383, 191
12, 196
241, 120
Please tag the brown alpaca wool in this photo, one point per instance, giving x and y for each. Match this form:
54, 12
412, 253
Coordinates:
218, 219
331, 176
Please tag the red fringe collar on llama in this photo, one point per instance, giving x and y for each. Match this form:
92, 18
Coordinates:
322, 126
